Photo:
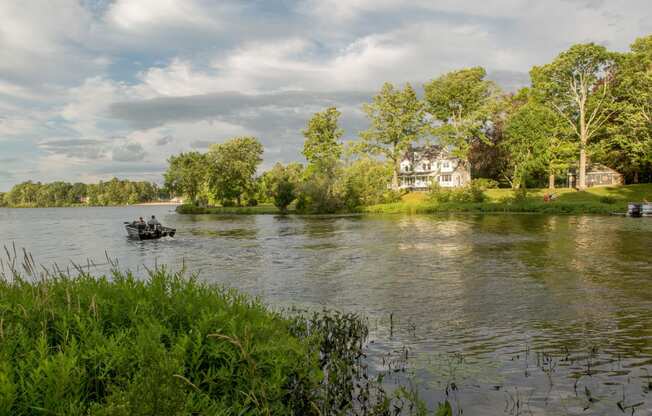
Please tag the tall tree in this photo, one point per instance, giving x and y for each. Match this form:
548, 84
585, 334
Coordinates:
577, 85
628, 145
282, 184
233, 166
459, 102
322, 146
398, 120
186, 174
536, 140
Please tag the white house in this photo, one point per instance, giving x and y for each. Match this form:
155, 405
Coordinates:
422, 166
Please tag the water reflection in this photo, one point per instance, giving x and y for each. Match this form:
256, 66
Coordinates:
511, 307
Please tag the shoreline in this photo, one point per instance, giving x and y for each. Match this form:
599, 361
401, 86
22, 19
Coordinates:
144, 204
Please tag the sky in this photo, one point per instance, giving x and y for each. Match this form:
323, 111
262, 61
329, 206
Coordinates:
91, 89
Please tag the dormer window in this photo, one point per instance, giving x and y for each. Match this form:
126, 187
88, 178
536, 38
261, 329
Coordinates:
446, 165
426, 166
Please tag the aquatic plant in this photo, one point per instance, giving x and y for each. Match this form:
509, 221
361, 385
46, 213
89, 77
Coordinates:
72, 343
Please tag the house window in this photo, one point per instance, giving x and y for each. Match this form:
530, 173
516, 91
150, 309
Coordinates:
426, 166
446, 165
445, 178
407, 168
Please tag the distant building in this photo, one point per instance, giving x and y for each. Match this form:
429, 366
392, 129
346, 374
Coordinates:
423, 166
177, 200
596, 175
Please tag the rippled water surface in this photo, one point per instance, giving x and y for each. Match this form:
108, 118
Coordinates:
525, 314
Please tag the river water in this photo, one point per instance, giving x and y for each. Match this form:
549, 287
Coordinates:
509, 314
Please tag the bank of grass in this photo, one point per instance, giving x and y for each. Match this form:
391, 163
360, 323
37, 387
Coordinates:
601, 200
172, 345
261, 209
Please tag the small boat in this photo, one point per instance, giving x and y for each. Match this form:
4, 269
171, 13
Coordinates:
636, 210
145, 232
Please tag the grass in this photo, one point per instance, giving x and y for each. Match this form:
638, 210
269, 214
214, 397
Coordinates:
172, 345
601, 200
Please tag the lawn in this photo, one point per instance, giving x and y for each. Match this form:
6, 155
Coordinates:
601, 200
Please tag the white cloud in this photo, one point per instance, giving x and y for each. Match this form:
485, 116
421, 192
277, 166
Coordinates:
142, 15
213, 70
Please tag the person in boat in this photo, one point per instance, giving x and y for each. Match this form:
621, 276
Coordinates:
153, 223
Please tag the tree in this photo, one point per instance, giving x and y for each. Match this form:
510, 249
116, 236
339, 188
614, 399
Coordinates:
628, 145
233, 165
577, 85
397, 121
536, 141
186, 174
488, 158
282, 184
365, 182
458, 100
322, 147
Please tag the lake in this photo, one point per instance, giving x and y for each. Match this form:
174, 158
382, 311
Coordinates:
512, 314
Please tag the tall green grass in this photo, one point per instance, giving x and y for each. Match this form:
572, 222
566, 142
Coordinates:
172, 345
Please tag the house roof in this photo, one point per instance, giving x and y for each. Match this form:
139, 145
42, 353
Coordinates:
596, 168
414, 154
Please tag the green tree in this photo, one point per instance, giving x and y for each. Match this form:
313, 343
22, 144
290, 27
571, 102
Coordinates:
577, 85
322, 147
366, 181
280, 185
536, 141
459, 102
628, 144
233, 167
186, 174
398, 120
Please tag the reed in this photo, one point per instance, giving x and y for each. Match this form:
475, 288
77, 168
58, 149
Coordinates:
72, 343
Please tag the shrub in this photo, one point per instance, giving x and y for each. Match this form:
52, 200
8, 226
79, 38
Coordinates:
438, 194
608, 200
520, 194
472, 192
485, 183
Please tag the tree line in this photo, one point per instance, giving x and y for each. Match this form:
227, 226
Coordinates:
62, 194
588, 104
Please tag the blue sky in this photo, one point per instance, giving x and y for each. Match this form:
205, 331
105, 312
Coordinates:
98, 88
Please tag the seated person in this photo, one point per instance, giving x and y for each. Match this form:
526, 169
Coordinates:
153, 223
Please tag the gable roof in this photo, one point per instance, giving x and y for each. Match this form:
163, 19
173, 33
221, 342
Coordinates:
416, 153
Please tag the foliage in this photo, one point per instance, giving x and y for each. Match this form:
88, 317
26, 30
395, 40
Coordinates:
366, 181
232, 166
628, 145
488, 158
283, 184
397, 120
62, 194
596, 200
536, 141
320, 193
459, 101
322, 148
577, 84
172, 345
473, 192
186, 174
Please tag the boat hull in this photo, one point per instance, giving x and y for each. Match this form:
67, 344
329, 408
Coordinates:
149, 234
